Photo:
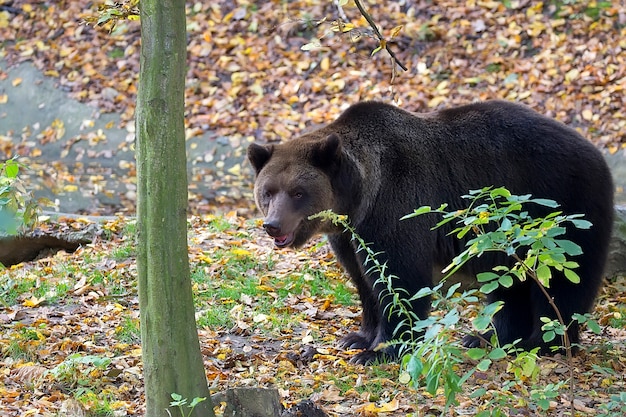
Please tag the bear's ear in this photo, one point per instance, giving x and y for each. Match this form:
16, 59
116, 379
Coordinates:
327, 151
258, 155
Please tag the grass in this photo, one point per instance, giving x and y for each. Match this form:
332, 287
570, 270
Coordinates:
128, 331
235, 283
223, 278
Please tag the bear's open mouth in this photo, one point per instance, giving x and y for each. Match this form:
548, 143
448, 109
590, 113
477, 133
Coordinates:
282, 241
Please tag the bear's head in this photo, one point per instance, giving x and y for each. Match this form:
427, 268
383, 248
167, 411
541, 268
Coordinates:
294, 180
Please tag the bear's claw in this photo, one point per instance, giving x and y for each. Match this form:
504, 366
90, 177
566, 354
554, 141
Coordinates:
355, 340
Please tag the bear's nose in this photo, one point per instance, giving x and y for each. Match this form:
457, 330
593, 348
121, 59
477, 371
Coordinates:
272, 228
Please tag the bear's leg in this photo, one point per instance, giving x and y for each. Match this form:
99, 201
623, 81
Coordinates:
573, 298
569, 298
408, 273
514, 321
345, 252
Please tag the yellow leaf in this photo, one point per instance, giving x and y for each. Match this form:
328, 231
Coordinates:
4, 98
33, 301
572, 74
435, 101
325, 64
395, 31
4, 19
392, 405
235, 169
241, 252
16, 82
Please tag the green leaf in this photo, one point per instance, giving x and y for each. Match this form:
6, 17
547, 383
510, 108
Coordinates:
414, 367
582, 224
506, 224
196, 401
499, 192
543, 403
545, 202
571, 248
571, 275
594, 326
549, 336
506, 281
497, 354
484, 365
481, 322
489, 287
486, 276
418, 212
478, 392
544, 274
492, 308
11, 168
476, 353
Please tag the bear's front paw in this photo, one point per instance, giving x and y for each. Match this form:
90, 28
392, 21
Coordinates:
476, 341
368, 357
355, 340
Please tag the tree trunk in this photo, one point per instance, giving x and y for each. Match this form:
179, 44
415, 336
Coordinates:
172, 360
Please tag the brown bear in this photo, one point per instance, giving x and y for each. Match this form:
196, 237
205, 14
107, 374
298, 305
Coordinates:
377, 163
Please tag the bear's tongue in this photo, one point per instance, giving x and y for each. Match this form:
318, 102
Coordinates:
281, 240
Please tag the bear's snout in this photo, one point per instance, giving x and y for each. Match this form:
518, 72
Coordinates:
281, 238
272, 228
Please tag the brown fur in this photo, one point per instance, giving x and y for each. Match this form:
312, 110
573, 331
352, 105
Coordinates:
376, 163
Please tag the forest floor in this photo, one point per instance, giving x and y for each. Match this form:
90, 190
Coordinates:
249, 78
69, 322
71, 346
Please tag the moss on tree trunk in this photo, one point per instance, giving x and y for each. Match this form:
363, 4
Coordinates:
171, 353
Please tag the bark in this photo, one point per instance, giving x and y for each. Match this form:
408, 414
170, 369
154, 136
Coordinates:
171, 352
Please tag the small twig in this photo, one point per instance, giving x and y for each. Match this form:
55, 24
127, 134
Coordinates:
566, 340
342, 14
380, 37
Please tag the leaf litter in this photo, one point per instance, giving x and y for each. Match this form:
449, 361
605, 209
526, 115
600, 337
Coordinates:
250, 80
78, 345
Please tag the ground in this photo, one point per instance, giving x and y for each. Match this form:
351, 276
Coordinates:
266, 318
250, 80
69, 322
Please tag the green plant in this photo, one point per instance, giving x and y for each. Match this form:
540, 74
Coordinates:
78, 371
497, 222
19, 210
614, 407
179, 401
128, 331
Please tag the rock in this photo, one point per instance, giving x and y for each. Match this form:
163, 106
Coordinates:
249, 402
262, 402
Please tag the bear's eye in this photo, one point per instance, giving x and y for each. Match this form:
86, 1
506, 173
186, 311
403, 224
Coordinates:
298, 195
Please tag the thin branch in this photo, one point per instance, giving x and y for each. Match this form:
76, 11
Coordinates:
342, 14
380, 37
